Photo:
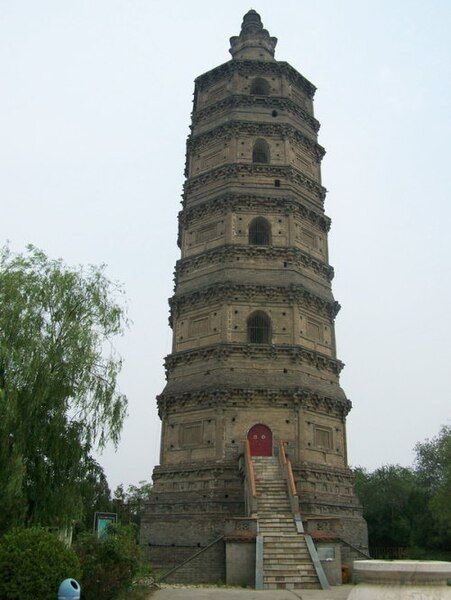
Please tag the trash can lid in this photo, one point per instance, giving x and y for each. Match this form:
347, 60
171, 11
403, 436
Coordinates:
69, 590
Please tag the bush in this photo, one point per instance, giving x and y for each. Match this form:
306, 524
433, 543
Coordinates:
33, 563
109, 564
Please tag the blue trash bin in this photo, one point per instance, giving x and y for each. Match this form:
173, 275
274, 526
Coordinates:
69, 590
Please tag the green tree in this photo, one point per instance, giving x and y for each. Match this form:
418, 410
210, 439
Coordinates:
411, 507
95, 494
393, 505
433, 469
131, 504
59, 395
108, 564
33, 563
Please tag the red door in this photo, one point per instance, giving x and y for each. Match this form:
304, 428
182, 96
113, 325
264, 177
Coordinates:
260, 440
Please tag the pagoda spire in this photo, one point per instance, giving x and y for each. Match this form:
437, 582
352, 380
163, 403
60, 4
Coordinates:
254, 42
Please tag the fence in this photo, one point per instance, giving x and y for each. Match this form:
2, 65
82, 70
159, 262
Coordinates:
389, 552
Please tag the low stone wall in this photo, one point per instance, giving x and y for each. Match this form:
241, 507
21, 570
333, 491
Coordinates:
401, 580
240, 562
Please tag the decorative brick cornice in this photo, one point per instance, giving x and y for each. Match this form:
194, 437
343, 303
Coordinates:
310, 471
223, 203
244, 397
207, 469
256, 67
230, 253
228, 290
236, 170
259, 129
225, 350
244, 100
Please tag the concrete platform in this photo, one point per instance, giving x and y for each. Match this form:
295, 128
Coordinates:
216, 593
401, 580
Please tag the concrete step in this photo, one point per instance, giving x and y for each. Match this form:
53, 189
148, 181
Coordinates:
270, 516
298, 578
279, 559
277, 519
293, 535
295, 582
282, 486
286, 537
290, 586
285, 526
268, 512
289, 572
283, 529
281, 542
265, 469
282, 554
272, 496
288, 551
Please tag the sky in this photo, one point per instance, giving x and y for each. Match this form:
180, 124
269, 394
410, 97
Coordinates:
95, 106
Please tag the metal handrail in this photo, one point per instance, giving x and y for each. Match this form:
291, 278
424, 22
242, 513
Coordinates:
346, 543
189, 559
288, 472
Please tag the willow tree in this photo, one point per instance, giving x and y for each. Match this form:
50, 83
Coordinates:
59, 396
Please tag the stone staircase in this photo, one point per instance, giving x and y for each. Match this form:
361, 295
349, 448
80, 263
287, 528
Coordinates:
286, 560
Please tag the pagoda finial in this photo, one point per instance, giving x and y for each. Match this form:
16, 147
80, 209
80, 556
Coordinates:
254, 42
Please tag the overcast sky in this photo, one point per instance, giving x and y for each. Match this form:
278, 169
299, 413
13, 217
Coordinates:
94, 112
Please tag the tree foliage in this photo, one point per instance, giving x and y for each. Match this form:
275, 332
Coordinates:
410, 507
33, 563
433, 469
108, 564
95, 495
131, 504
58, 383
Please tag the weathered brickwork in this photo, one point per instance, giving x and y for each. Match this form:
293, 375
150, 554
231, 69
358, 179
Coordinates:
253, 315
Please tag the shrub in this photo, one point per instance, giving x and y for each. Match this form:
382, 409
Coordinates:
33, 563
109, 564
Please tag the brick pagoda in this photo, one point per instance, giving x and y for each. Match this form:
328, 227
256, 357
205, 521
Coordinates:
253, 361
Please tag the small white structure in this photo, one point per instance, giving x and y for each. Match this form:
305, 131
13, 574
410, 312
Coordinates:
401, 580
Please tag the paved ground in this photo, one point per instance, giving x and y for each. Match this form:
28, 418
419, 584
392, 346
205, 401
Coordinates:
202, 593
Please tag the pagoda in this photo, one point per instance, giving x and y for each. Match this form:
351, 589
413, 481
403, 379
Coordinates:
253, 458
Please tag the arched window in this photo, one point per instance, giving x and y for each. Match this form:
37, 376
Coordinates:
260, 152
259, 87
259, 232
259, 328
